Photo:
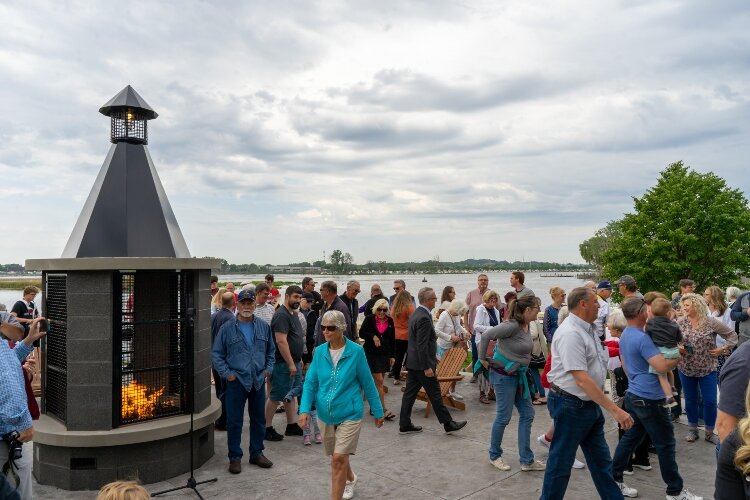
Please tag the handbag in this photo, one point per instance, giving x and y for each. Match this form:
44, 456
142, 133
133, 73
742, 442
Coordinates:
537, 361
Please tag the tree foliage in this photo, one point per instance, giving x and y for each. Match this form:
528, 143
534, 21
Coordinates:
341, 262
689, 225
592, 250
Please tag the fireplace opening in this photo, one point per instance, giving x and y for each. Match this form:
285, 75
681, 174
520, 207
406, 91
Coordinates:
151, 379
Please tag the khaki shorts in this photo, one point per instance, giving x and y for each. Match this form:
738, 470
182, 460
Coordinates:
341, 439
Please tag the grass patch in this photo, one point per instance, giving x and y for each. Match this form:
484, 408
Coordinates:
20, 284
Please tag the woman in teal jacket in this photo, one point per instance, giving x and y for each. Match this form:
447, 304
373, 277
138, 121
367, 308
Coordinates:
334, 381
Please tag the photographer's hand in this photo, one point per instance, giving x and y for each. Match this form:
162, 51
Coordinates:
34, 332
26, 435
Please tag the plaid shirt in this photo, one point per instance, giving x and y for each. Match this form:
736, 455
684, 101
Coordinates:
14, 411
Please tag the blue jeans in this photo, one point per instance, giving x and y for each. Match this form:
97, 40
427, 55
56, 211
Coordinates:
507, 394
236, 395
707, 386
649, 417
537, 381
577, 423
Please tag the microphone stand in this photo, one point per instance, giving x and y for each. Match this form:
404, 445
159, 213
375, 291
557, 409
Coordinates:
191, 482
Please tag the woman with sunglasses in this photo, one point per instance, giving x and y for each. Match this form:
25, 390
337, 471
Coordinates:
335, 380
378, 332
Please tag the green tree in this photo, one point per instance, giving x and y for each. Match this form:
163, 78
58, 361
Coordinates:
592, 250
341, 262
689, 225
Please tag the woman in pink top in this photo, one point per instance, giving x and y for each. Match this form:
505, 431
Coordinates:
378, 332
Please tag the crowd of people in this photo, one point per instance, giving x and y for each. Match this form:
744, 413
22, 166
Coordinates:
305, 353
656, 351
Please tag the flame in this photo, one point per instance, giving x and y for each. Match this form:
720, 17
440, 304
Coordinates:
135, 402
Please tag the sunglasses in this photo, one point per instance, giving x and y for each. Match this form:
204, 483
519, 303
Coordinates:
383, 310
330, 328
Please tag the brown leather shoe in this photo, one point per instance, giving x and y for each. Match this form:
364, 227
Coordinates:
235, 466
261, 461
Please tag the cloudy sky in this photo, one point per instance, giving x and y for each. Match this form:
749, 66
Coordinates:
396, 130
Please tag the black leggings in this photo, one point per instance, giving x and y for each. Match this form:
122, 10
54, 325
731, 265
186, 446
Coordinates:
401, 346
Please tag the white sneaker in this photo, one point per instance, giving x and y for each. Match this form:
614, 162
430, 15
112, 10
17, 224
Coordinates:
500, 463
535, 465
627, 491
456, 396
349, 488
543, 441
577, 464
685, 495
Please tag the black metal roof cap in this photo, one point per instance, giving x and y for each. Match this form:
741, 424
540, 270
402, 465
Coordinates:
128, 98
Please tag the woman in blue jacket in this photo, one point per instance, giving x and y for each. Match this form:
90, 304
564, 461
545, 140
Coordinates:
335, 380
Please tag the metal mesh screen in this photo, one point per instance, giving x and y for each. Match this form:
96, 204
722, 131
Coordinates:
153, 346
56, 311
129, 125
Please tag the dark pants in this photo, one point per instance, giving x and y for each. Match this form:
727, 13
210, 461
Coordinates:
415, 381
641, 451
677, 410
649, 417
474, 352
401, 346
220, 387
236, 396
577, 423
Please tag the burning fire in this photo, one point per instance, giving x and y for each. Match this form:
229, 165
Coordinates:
136, 403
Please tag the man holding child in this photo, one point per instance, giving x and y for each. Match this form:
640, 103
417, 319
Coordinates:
645, 400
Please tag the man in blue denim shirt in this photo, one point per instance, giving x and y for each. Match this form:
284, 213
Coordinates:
243, 355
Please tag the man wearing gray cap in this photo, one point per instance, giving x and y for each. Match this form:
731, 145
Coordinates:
628, 287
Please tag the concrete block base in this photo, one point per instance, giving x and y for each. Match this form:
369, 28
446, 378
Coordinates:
91, 468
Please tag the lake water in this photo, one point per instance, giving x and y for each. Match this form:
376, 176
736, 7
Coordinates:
463, 283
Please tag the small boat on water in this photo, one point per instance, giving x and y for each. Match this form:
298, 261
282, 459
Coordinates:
424, 280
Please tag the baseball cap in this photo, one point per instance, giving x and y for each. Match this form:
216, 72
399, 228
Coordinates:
246, 295
308, 296
626, 280
604, 285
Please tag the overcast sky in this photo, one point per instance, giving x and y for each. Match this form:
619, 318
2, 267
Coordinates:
393, 130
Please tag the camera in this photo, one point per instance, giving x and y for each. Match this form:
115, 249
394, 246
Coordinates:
15, 447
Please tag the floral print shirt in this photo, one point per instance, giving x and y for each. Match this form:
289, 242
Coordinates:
702, 339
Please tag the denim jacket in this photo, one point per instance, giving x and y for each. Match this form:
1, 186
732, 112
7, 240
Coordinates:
337, 392
231, 354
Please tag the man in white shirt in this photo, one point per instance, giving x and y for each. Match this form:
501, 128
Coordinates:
576, 398
603, 293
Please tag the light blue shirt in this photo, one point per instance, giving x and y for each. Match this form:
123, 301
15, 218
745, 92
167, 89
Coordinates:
14, 410
248, 330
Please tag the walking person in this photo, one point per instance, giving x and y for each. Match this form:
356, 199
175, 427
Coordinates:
451, 334
551, 313
420, 362
576, 378
401, 310
379, 335
335, 381
644, 401
508, 368
243, 355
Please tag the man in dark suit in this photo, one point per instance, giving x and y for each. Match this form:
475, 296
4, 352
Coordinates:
421, 363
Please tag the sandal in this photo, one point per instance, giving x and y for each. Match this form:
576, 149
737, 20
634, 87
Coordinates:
692, 436
712, 438
396, 381
389, 415
538, 402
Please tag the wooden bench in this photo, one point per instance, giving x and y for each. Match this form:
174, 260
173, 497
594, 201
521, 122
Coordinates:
447, 375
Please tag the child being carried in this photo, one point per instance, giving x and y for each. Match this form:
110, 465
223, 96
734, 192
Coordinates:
665, 334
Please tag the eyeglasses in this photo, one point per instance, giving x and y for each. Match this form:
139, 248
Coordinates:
357, 290
383, 310
330, 328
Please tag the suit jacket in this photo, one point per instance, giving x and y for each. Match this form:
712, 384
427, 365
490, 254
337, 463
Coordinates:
420, 355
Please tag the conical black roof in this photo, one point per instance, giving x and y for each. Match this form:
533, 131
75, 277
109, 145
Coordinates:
128, 98
127, 213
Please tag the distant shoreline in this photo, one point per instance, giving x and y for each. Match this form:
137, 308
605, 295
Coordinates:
19, 283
